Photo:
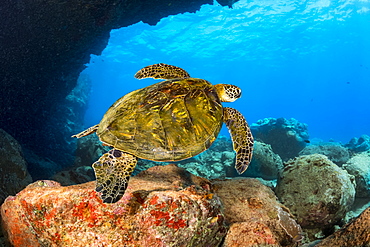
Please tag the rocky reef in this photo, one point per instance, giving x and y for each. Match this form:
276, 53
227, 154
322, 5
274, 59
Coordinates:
317, 192
255, 216
287, 137
336, 152
217, 162
265, 163
359, 144
355, 233
45, 45
313, 197
14, 175
163, 206
359, 167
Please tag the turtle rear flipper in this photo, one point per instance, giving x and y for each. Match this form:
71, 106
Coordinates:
87, 132
161, 71
241, 136
112, 171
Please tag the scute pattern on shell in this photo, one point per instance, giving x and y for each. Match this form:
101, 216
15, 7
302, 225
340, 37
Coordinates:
167, 121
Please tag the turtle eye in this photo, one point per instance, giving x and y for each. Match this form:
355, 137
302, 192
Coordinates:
237, 92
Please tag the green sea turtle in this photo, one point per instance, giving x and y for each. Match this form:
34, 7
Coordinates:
168, 121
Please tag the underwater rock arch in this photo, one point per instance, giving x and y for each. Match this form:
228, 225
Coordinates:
44, 46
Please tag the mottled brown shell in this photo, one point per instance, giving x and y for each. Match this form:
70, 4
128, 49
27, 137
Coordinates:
168, 121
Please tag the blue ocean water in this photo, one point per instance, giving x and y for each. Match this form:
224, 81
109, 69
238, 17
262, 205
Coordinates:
308, 60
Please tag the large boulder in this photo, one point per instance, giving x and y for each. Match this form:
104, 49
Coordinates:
360, 144
359, 167
265, 163
355, 233
13, 168
164, 206
287, 137
255, 215
317, 192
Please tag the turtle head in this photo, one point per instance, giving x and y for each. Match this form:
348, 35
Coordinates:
228, 93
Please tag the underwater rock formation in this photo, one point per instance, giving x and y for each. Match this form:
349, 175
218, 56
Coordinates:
216, 162
45, 46
75, 175
265, 163
163, 205
250, 233
355, 233
13, 168
219, 162
334, 151
255, 215
88, 150
359, 144
67, 119
14, 175
317, 192
38, 166
359, 167
287, 137
166, 206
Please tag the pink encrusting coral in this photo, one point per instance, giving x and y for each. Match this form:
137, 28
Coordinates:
155, 211
163, 206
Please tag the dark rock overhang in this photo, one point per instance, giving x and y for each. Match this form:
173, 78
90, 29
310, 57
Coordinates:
44, 46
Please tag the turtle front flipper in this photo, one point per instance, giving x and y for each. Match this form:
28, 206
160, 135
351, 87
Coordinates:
161, 71
112, 171
87, 132
241, 136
